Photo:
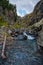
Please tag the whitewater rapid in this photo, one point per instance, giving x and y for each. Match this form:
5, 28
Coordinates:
29, 36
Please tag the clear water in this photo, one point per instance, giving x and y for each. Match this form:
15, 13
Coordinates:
22, 53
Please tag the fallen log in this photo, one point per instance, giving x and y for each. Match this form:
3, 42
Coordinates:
3, 49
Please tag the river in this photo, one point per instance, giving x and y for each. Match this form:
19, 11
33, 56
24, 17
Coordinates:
22, 53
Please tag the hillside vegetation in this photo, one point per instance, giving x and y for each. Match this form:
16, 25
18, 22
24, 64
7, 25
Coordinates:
9, 16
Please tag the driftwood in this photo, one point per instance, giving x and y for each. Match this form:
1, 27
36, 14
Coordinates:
3, 49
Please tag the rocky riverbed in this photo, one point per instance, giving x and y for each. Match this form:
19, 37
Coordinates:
22, 53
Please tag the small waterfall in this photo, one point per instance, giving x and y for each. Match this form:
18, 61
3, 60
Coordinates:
29, 36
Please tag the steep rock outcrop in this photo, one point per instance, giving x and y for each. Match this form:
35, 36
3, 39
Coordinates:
40, 38
37, 13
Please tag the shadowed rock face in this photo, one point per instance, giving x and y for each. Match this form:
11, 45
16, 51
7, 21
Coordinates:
40, 38
37, 13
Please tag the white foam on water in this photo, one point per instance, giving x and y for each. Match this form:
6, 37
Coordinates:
29, 36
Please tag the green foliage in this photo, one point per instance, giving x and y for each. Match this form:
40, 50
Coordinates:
10, 7
15, 13
3, 23
6, 5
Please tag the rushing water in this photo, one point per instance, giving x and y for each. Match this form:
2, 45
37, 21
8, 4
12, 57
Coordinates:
29, 36
22, 53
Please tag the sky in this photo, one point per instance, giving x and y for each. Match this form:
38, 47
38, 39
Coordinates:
24, 6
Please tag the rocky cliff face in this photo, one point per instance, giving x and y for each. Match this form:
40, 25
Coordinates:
37, 13
40, 39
